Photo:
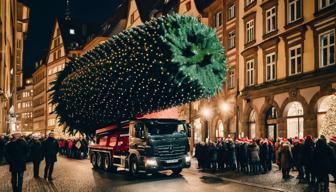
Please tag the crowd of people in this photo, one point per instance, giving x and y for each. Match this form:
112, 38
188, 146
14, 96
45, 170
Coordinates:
314, 159
16, 150
74, 148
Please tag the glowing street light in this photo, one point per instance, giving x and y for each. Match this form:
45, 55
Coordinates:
224, 106
206, 112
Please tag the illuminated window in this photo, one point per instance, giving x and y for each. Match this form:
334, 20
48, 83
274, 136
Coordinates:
72, 31
327, 48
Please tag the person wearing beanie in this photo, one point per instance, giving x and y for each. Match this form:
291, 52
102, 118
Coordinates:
298, 158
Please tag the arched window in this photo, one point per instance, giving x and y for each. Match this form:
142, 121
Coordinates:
294, 120
252, 124
322, 107
220, 130
271, 124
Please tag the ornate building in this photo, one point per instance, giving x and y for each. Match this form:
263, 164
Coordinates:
287, 66
24, 108
12, 16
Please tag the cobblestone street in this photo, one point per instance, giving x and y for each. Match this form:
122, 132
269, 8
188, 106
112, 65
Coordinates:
77, 175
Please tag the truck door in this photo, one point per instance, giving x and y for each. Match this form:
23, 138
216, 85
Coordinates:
137, 140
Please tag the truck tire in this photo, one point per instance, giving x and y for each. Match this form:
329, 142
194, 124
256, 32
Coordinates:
134, 169
100, 160
106, 163
177, 171
94, 160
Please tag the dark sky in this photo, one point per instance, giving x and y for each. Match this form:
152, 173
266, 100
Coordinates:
42, 17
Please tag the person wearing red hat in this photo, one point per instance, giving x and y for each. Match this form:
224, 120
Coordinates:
298, 158
286, 159
264, 155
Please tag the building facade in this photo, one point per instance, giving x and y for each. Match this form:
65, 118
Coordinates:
24, 107
39, 98
8, 20
287, 66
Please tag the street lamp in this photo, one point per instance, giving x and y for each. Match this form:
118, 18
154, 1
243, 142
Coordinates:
224, 106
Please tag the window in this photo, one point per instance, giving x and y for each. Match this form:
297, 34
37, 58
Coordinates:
132, 18
252, 125
54, 56
72, 31
248, 2
218, 19
327, 48
270, 67
49, 72
59, 53
271, 20
51, 122
231, 12
54, 70
19, 105
220, 130
250, 31
250, 72
231, 82
295, 60
231, 39
294, 120
294, 10
325, 3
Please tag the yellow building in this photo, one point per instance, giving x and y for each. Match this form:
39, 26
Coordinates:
286, 66
8, 21
39, 97
24, 107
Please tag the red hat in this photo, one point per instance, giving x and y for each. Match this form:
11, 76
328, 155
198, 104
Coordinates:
333, 140
301, 140
309, 137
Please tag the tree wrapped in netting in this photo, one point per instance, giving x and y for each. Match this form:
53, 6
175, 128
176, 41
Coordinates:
163, 63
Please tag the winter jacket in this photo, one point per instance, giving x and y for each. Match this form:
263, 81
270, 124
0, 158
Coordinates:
286, 156
254, 152
264, 152
36, 151
324, 158
298, 154
308, 153
16, 154
50, 149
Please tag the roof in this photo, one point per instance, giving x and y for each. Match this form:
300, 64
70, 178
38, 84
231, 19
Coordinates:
146, 10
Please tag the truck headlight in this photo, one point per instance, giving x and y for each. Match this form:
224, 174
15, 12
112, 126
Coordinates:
188, 158
151, 162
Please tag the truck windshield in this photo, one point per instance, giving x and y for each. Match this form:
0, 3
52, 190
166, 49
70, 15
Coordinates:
165, 128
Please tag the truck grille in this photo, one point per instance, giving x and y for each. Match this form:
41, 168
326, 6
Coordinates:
169, 151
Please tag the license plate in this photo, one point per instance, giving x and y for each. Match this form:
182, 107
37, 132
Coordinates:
172, 161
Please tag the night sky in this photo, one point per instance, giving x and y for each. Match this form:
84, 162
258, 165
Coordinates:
42, 17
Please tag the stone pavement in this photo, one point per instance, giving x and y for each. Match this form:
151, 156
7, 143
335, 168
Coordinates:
78, 175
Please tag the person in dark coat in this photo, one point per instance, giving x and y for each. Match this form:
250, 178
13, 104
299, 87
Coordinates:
198, 154
2, 148
308, 159
36, 155
254, 157
286, 159
264, 155
271, 153
50, 150
298, 158
332, 144
324, 158
213, 156
16, 154
231, 154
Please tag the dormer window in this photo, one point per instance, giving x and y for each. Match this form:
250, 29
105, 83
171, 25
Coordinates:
72, 31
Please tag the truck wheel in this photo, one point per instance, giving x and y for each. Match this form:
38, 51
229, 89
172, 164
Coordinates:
106, 164
177, 171
134, 170
99, 160
94, 160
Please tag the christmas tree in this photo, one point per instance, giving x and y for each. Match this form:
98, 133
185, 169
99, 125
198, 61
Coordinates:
328, 128
163, 63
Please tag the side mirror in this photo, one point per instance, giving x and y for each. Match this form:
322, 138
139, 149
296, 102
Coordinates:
139, 131
189, 130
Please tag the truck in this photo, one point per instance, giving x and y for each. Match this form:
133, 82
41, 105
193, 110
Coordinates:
143, 145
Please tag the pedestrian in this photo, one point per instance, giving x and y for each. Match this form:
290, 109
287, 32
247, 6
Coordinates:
213, 156
264, 155
231, 154
308, 159
2, 148
298, 157
324, 158
198, 154
255, 159
16, 154
286, 158
36, 155
50, 150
